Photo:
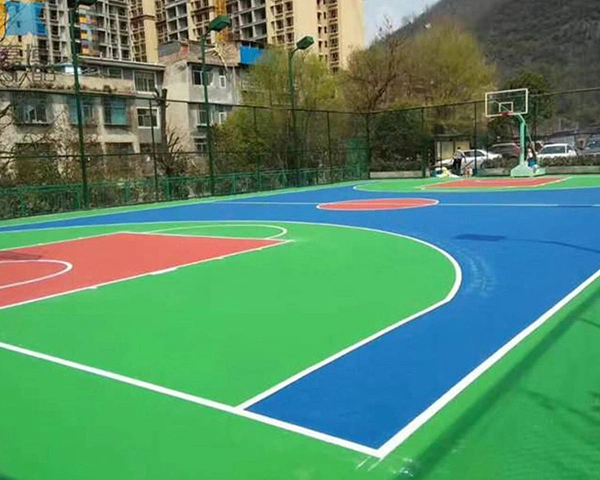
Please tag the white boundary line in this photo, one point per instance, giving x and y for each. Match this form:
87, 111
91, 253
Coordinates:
441, 402
68, 266
78, 215
272, 203
403, 434
159, 272
55, 241
373, 202
190, 398
282, 231
482, 181
415, 189
453, 291
239, 410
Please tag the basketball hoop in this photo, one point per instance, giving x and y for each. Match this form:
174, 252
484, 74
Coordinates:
506, 114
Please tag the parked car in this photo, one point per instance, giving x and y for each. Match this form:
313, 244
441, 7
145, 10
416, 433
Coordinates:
471, 156
506, 150
592, 148
556, 150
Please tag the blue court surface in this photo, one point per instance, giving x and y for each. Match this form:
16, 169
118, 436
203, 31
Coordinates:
519, 257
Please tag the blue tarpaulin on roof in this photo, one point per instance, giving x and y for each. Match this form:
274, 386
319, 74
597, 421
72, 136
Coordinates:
24, 19
250, 55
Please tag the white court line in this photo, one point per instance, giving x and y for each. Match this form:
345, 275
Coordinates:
68, 267
441, 402
197, 201
69, 240
454, 290
388, 203
191, 398
482, 182
272, 203
282, 231
134, 277
474, 190
414, 425
521, 205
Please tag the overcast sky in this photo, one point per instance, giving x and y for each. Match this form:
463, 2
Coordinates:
396, 10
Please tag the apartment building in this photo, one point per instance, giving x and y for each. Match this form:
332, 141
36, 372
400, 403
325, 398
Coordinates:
186, 113
119, 107
110, 29
336, 25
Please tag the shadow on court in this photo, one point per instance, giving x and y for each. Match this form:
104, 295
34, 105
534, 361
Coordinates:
500, 238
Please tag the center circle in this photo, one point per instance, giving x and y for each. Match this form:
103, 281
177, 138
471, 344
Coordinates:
375, 204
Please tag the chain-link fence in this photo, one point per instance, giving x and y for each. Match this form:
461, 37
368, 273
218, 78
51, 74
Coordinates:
142, 149
418, 139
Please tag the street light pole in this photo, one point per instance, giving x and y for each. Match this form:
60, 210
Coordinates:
220, 22
73, 6
303, 44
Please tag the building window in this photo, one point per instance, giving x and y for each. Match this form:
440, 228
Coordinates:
222, 78
222, 114
114, 72
147, 118
31, 110
197, 76
202, 116
201, 145
115, 112
87, 110
145, 82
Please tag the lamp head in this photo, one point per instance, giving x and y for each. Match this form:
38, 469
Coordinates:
305, 43
220, 22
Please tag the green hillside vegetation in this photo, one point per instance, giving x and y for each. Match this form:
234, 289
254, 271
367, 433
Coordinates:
557, 38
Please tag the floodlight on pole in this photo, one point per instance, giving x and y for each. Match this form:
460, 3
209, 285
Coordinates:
73, 5
217, 24
303, 44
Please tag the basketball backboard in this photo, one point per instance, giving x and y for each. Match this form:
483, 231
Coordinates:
507, 102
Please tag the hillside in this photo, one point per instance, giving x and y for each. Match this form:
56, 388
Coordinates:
558, 38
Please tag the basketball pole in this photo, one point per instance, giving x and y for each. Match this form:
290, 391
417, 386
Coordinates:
523, 170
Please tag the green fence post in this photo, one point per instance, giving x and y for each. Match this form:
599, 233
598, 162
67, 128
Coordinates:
475, 134
369, 147
153, 151
329, 151
22, 202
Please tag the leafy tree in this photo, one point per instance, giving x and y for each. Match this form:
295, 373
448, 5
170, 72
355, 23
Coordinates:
262, 137
373, 76
442, 64
445, 64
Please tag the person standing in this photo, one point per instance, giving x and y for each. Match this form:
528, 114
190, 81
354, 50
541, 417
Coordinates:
459, 157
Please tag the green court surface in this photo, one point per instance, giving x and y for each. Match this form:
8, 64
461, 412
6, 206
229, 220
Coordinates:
251, 321
245, 324
534, 416
422, 184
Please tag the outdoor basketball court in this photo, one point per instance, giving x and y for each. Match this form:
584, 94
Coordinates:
347, 332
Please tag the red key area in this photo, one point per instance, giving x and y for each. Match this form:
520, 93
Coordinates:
106, 259
497, 183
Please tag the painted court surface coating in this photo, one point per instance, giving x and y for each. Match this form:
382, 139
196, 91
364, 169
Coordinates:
498, 183
395, 344
379, 204
95, 261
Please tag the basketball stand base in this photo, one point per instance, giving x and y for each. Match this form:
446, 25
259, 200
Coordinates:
523, 171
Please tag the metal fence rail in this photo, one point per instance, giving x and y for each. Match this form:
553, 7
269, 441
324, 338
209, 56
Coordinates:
141, 149
26, 201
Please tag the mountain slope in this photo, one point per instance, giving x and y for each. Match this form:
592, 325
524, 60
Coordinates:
558, 38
